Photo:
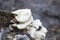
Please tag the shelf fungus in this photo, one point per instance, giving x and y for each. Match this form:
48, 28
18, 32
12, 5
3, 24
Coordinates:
23, 24
23, 15
37, 30
34, 27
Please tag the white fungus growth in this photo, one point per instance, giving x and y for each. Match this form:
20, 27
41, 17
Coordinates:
23, 25
35, 27
23, 15
37, 34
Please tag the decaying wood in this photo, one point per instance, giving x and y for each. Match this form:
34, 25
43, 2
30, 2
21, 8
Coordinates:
5, 18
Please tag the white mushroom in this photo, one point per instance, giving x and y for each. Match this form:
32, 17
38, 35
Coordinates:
23, 25
35, 27
37, 23
37, 34
23, 15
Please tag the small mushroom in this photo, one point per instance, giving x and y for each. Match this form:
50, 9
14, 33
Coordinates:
37, 23
23, 25
37, 31
23, 15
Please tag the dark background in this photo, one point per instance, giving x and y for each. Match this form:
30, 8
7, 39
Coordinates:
48, 11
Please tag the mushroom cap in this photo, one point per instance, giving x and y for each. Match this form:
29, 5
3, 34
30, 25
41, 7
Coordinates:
37, 23
41, 33
23, 25
23, 15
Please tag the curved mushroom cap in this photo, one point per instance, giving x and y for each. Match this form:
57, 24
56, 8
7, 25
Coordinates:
23, 15
23, 25
38, 30
37, 23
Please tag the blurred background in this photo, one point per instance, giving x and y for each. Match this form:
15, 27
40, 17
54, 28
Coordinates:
48, 11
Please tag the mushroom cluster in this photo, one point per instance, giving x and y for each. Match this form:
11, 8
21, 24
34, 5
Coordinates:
24, 20
24, 17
